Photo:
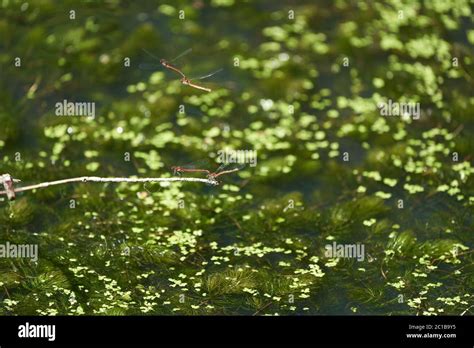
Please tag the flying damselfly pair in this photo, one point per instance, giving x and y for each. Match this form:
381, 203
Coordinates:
184, 79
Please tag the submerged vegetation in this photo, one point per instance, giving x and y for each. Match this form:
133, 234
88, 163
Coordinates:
302, 85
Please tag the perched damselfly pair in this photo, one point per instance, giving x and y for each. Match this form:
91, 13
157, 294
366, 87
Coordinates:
184, 79
195, 167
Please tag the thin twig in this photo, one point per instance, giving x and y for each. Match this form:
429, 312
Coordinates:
84, 179
467, 310
263, 308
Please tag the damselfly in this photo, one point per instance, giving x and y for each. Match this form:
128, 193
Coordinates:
184, 80
7, 182
198, 167
193, 167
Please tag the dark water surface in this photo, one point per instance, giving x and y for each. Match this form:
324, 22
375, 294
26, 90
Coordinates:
330, 167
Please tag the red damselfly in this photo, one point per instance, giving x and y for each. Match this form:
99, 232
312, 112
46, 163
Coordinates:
193, 167
184, 80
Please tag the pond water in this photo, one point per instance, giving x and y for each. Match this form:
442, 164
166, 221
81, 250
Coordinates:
347, 210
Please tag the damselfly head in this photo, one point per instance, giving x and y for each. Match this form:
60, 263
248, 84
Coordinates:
8, 177
176, 170
212, 181
8, 181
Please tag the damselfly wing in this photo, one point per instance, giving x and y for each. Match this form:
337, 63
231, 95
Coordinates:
163, 62
226, 168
